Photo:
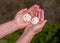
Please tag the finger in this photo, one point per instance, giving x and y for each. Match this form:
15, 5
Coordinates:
21, 11
39, 14
42, 15
33, 9
43, 23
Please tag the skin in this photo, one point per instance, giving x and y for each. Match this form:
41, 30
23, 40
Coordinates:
31, 30
15, 24
18, 23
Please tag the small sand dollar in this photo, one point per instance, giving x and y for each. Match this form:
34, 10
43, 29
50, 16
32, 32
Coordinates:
27, 17
35, 20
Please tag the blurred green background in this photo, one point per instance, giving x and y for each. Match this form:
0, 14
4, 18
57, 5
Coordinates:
50, 32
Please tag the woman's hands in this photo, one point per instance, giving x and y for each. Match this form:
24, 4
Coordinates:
31, 29
19, 20
38, 27
35, 12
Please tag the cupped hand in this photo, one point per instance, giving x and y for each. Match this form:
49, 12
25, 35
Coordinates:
19, 15
38, 27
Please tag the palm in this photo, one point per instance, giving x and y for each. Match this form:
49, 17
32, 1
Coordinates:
38, 27
19, 18
20, 14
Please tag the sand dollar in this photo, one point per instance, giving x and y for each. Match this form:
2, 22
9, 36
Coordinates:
35, 20
27, 17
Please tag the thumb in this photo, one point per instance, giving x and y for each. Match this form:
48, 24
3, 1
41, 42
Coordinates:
44, 22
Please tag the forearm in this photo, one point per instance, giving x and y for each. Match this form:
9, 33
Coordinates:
7, 28
25, 38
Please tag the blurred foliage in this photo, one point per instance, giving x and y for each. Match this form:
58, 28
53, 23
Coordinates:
50, 32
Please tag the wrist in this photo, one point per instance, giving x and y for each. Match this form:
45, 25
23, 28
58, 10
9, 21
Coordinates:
15, 24
29, 34
18, 23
